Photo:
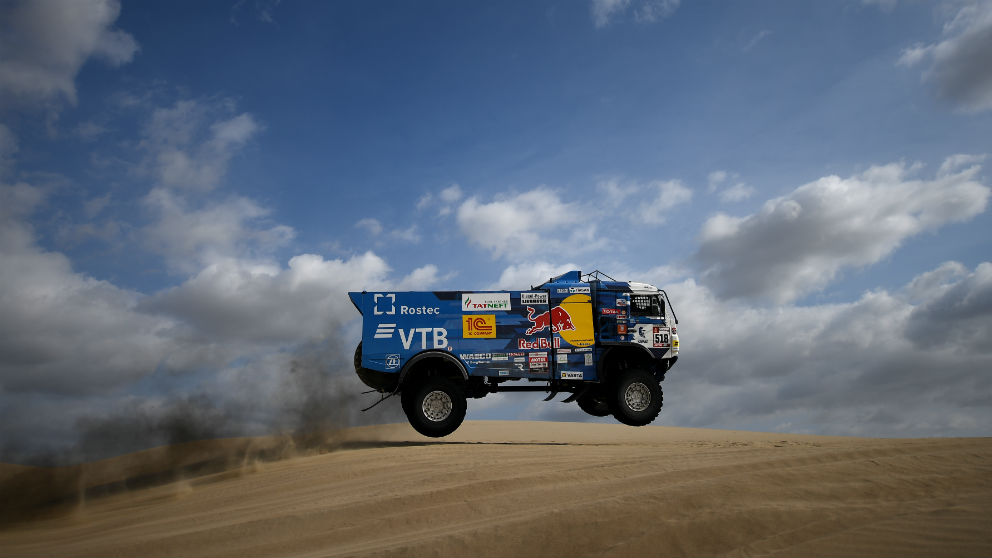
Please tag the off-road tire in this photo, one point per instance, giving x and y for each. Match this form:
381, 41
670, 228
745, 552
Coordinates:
435, 407
636, 397
593, 403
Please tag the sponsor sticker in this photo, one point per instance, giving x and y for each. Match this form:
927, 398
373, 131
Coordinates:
560, 351
539, 343
610, 311
538, 360
661, 337
519, 359
392, 362
419, 310
621, 302
504, 372
477, 357
384, 304
578, 290
437, 335
571, 375
533, 298
500, 357
385, 331
485, 302
588, 357
621, 329
479, 326
562, 359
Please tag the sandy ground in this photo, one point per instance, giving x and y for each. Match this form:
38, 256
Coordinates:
542, 489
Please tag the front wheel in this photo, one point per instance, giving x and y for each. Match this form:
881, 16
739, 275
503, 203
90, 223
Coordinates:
435, 407
636, 398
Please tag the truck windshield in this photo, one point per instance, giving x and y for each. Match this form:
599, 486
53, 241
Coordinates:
646, 305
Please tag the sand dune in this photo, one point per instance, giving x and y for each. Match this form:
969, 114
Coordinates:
551, 489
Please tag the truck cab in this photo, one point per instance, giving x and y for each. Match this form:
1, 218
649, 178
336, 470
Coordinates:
606, 343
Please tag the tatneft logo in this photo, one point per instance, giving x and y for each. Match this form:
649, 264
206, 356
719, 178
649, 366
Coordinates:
485, 302
439, 335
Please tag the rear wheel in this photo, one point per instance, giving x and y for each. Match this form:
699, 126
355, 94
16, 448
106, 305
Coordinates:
434, 407
594, 403
636, 398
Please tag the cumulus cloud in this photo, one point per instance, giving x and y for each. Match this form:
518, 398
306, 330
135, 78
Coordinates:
8, 147
254, 339
880, 365
737, 191
190, 144
234, 300
371, 225
797, 244
653, 199
960, 65
191, 236
46, 42
443, 201
520, 224
525, 275
643, 11
62, 331
911, 362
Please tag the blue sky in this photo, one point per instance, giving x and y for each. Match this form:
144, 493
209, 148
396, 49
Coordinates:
190, 188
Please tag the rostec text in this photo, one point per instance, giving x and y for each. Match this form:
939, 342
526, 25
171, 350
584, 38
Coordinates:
412, 310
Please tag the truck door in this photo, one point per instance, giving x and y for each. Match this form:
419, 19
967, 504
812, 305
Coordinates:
649, 326
574, 333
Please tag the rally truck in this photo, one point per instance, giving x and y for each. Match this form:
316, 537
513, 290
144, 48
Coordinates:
606, 343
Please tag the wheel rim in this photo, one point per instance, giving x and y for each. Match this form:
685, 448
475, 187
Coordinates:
437, 406
637, 396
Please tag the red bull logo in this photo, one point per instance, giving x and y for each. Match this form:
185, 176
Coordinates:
557, 319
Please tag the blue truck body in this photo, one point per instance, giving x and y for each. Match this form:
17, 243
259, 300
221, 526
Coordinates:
560, 334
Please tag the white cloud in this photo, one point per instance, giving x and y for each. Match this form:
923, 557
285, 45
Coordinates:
887, 364
798, 243
8, 147
370, 224
520, 224
443, 200
193, 237
955, 163
644, 11
605, 10
715, 179
46, 42
242, 301
961, 64
61, 331
652, 199
189, 152
525, 275
659, 198
738, 192
451, 194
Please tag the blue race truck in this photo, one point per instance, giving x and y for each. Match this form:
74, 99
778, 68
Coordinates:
607, 343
